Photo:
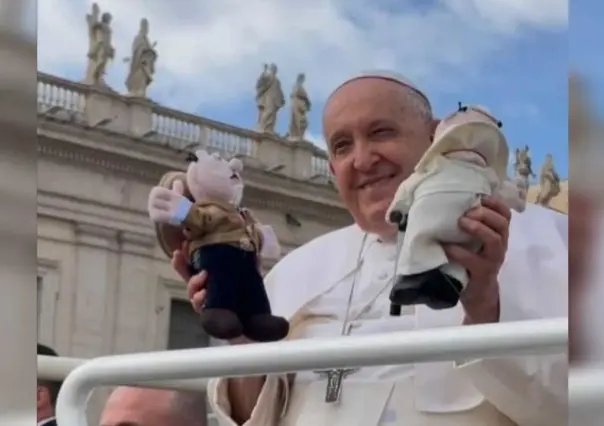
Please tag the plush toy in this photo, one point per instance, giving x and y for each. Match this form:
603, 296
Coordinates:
467, 160
224, 240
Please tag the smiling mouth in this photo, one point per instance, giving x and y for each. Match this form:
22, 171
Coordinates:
377, 181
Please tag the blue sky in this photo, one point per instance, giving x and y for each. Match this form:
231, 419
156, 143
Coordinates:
509, 55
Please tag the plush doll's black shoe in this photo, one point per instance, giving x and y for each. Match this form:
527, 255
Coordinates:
431, 288
221, 324
266, 328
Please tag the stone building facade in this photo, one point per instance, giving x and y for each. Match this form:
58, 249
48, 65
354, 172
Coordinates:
104, 285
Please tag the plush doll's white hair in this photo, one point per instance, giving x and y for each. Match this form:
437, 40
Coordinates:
414, 96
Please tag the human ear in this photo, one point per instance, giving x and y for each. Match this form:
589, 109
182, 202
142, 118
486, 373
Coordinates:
42, 396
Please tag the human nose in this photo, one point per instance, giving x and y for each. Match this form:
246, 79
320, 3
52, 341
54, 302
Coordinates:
364, 157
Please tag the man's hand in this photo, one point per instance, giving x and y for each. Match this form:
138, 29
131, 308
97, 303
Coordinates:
168, 206
490, 223
195, 283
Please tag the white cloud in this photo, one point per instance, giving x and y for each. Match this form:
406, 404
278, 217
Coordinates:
210, 53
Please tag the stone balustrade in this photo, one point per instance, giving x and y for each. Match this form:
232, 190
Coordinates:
179, 130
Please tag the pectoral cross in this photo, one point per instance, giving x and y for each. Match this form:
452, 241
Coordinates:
334, 382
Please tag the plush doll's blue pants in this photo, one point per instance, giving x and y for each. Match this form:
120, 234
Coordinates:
236, 301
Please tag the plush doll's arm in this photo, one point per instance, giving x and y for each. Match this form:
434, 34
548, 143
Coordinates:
402, 199
513, 196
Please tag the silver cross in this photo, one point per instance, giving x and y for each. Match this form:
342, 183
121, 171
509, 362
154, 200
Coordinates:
334, 377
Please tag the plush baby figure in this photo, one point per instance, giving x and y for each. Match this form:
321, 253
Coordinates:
225, 241
466, 161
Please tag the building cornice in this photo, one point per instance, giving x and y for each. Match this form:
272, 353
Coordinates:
104, 223
110, 152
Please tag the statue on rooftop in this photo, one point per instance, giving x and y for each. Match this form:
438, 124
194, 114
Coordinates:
100, 49
523, 168
300, 106
269, 99
549, 182
142, 62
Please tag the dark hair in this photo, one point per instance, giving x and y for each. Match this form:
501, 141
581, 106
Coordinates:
52, 386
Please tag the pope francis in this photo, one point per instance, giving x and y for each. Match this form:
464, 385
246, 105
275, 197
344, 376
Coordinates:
377, 127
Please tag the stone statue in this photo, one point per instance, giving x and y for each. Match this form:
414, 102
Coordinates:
142, 62
260, 83
549, 182
523, 167
300, 106
100, 50
269, 98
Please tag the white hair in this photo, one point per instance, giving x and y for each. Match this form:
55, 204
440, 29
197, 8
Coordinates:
418, 104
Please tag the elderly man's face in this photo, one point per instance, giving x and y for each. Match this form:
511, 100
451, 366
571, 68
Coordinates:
140, 407
375, 138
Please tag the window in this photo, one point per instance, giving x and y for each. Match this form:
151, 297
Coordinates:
185, 330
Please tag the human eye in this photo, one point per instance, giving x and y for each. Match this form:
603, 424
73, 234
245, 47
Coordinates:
339, 147
382, 131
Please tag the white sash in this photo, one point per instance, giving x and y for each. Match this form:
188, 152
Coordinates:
360, 406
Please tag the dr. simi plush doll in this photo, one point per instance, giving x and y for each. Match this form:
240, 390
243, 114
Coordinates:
224, 240
467, 161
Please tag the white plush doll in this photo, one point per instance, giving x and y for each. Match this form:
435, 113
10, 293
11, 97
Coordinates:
467, 160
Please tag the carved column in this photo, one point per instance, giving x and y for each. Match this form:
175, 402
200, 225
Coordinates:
135, 301
96, 277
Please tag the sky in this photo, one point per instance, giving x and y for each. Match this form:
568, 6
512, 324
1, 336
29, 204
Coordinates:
509, 55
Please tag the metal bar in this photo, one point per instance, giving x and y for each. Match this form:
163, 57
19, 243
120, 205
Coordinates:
480, 341
586, 388
58, 368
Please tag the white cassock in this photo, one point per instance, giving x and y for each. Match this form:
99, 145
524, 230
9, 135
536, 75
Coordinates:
311, 286
434, 201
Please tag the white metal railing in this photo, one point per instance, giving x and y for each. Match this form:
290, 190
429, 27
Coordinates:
58, 368
480, 341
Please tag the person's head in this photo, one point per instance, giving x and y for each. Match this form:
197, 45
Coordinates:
301, 77
129, 406
376, 130
47, 391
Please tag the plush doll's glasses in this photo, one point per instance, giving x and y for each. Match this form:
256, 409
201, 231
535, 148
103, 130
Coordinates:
191, 158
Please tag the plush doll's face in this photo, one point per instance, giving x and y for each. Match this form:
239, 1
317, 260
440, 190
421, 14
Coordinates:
210, 177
